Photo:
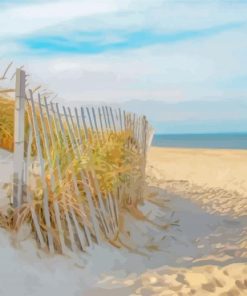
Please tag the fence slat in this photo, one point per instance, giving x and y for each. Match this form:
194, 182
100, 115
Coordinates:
120, 119
101, 124
90, 119
108, 118
84, 123
42, 172
29, 193
95, 121
104, 115
102, 210
113, 121
79, 128
67, 217
19, 126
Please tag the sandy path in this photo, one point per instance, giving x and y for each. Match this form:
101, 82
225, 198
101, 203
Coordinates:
205, 254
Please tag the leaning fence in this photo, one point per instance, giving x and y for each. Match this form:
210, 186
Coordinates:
75, 169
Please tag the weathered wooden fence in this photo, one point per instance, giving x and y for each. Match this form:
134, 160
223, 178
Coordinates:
82, 213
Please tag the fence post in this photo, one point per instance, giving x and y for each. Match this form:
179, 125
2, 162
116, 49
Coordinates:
19, 138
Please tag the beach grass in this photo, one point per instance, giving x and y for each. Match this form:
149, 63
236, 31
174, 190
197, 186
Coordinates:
87, 180
6, 123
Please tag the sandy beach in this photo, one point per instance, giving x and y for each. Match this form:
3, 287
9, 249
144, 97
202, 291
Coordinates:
194, 241
216, 178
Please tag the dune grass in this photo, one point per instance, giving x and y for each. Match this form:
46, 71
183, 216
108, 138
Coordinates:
6, 123
88, 178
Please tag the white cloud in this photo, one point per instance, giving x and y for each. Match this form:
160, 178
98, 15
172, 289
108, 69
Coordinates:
160, 15
193, 69
28, 18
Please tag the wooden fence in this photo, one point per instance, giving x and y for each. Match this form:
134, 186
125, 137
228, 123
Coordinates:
82, 213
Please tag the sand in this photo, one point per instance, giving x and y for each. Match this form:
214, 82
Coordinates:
217, 178
193, 243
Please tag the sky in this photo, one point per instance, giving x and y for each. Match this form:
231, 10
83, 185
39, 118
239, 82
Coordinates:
184, 63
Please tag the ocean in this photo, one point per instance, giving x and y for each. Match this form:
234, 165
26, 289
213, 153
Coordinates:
220, 141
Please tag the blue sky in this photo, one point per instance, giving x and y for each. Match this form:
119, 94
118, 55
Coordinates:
178, 53
93, 42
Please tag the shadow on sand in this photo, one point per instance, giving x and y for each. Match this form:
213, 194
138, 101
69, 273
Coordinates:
198, 238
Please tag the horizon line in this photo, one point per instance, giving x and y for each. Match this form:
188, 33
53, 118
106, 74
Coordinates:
202, 133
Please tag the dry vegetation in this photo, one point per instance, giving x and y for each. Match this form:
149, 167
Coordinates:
88, 179
6, 123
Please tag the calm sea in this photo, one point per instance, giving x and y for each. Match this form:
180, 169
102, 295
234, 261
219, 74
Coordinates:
222, 141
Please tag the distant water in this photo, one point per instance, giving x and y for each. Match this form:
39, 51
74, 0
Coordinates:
222, 141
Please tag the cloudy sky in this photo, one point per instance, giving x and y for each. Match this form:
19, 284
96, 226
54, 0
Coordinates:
182, 62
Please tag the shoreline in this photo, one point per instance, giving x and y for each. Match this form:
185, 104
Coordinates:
197, 148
